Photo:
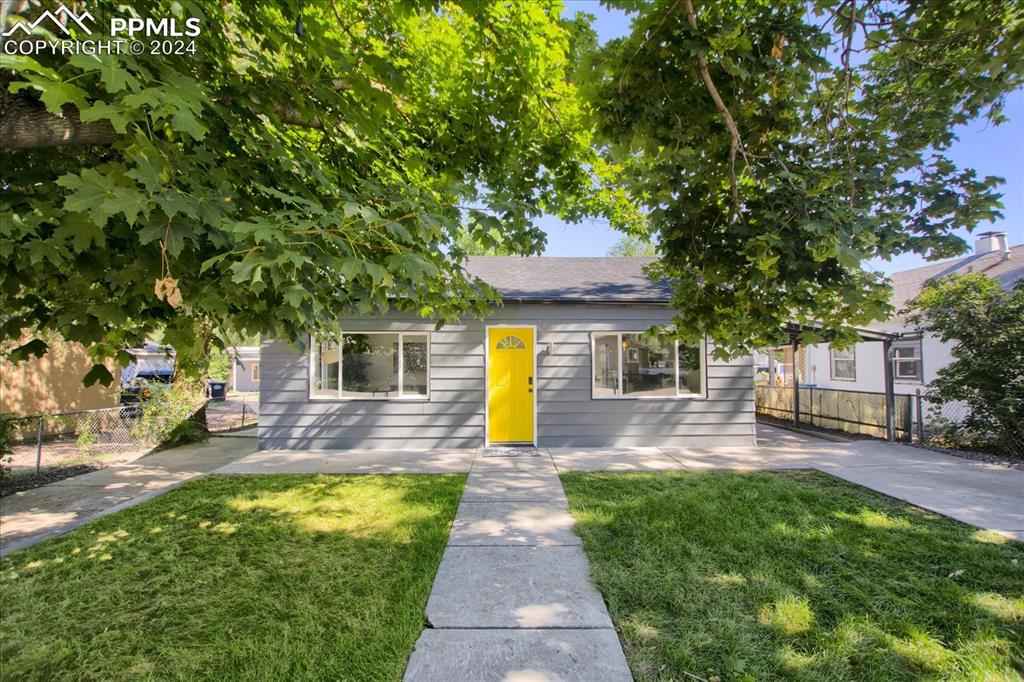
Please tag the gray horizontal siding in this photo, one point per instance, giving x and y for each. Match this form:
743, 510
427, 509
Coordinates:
454, 415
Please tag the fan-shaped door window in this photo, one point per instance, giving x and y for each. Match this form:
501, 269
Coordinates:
511, 342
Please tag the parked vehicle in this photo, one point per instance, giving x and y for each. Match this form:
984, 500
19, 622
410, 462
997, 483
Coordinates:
138, 389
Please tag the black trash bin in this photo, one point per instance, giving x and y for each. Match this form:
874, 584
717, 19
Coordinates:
217, 390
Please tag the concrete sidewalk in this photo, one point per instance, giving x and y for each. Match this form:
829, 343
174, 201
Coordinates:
512, 599
33, 515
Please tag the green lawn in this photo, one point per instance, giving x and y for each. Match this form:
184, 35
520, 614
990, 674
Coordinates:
254, 577
796, 576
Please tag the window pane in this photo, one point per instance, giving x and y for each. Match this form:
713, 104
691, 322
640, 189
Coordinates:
326, 361
369, 366
414, 358
908, 359
844, 364
606, 365
907, 369
844, 369
691, 378
906, 351
648, 365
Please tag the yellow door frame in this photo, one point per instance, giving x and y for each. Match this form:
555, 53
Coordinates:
487, 375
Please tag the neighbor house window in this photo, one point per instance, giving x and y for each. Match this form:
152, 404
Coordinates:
255, 371
906, 361
844, 364
371, 365
642, 365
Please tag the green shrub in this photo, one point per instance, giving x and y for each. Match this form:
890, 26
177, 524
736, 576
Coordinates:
985, 326
87, 436
174, 415
220, 365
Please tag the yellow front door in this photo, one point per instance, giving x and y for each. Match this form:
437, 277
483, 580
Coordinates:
510, 385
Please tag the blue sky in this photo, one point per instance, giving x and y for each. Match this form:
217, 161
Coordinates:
990, 150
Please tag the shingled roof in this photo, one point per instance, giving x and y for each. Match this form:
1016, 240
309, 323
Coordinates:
908, 284
576, 280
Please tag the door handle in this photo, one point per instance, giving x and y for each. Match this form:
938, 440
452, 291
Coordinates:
529, 381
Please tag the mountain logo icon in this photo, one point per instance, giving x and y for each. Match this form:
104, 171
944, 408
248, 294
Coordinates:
27, 27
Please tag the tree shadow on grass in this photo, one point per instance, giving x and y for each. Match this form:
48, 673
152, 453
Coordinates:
269, 577
796, 575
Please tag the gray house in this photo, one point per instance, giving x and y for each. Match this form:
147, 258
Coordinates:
566, 361
245, 368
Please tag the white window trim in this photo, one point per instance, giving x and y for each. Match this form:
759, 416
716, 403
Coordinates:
918, 345
832, 365
401, 366
254, 371
675, 370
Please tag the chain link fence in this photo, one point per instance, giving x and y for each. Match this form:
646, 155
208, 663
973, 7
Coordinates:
950, 426
96, 438
237, 411
91, 437
862, 413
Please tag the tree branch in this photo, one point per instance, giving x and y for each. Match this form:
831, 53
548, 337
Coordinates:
737, 141
26, 124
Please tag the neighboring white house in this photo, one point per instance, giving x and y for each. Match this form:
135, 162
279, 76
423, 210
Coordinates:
245, 369
916, 361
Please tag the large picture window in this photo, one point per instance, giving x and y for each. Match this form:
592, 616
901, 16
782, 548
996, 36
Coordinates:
844, 364
906, 362
371, 366
642, 365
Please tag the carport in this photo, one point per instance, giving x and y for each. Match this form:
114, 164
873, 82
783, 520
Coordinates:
794, 330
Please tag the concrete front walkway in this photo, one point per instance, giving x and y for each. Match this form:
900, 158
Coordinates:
33, 515
512, 599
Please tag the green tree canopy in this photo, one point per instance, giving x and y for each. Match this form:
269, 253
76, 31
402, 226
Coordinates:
633, 246
778, 146
309, 159
481, 243
985, 327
